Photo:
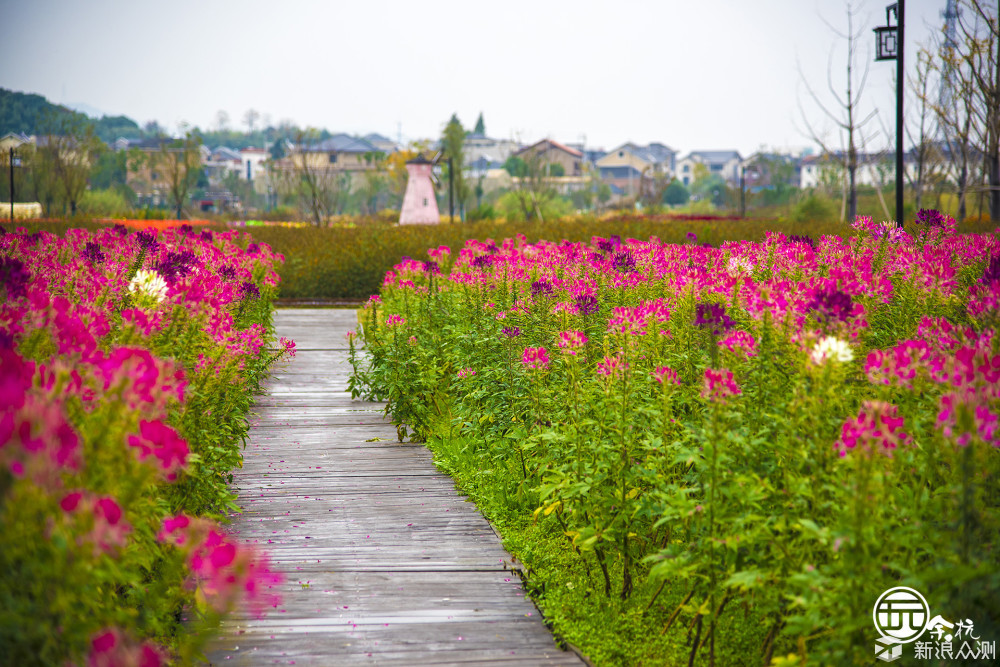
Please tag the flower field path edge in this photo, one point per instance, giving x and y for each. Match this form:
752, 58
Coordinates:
384, 562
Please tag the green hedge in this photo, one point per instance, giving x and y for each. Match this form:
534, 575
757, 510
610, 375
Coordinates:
349, 263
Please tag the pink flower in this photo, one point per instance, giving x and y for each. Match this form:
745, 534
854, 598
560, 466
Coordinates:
178, 525
288, 345
665, 375
740, 342
37, 442
612, 366
466, 372
162, 442
111, 648
535, 358
70, 501
394, 320
227, 572
877, 427
719, 385
572, 341
108, 510
967, 413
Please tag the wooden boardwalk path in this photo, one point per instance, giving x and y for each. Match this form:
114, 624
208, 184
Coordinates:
385, 564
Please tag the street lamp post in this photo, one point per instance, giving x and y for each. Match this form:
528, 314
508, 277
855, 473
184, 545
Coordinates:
889, 46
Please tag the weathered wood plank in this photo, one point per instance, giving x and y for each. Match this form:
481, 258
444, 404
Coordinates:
385, 562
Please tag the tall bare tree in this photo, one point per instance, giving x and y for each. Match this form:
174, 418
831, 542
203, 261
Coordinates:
844, 110
180, 162
531, 184
927, 157
956, 117
68, 148
308, 176
250, 119
979, 26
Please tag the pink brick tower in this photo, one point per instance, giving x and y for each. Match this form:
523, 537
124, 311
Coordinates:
419, 203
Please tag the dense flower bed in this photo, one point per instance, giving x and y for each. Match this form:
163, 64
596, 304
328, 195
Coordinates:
779, 430
128, 364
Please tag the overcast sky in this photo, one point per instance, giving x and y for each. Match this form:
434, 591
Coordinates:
695, 75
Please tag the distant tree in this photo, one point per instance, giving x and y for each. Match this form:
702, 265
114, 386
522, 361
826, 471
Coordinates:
555, 170
319, 189
110, 128
23, 112
250, 119
221, 120
676, 194
153, 129
516, 167
452, 143
180, 162
69, 147
480, 126
277, 149
843, 112
36, 180
979, 50
109, 171
603, 194
919, 128
532, 190
710, 187
957, 119
375, 183
652, 187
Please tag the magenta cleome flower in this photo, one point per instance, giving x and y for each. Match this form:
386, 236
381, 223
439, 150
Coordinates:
571, 341
665, 375
612, 366
718, 385
163, 443
536, 358
878, 427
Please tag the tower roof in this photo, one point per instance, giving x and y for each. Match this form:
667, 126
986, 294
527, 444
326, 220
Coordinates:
420, 159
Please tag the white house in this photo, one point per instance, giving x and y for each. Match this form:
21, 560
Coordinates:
724, 163
252, 161
495, 151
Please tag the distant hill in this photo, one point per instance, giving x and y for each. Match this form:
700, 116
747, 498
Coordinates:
29, 113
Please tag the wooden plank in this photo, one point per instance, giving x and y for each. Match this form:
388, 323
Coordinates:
385, 562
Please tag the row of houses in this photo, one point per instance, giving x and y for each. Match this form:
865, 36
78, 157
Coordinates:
570, 166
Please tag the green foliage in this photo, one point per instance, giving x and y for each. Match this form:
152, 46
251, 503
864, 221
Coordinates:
452, 142
110, 170
66, 573
730, 524
104, 204
23, 112
710, 187
349, 262
516, 167
676, 194
555, 170
511, 206
814, 206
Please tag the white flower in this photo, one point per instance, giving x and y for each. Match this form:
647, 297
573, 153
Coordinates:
831, 348
739, 266
148, 285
